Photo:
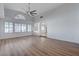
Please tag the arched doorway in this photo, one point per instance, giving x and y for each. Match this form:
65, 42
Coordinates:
43, 29
40, 28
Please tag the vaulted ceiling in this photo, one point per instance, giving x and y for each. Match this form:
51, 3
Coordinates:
40, 7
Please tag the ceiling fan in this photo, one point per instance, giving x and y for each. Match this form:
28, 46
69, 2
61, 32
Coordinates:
31, 12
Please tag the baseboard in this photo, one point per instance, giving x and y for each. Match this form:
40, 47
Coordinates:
63, 40
15, 37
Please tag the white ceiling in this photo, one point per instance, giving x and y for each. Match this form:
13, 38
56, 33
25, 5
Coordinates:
40, 7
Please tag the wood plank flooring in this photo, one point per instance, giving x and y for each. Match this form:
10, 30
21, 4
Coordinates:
37, 46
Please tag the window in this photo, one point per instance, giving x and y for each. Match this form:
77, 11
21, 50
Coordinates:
19, 16
23, 27
17, 27
20, 27
8, 27
29, 28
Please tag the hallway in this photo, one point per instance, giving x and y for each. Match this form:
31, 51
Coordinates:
37, 46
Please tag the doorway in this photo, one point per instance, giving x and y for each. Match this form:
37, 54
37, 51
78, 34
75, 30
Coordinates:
40, 28
43, 29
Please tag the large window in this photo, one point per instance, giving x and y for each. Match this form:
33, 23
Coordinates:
8, 27
29, 28
17, 27
23, 27
20, 27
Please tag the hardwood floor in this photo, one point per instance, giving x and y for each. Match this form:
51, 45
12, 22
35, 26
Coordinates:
37, 46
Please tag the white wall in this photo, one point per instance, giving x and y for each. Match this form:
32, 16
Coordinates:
1, 10
63, 23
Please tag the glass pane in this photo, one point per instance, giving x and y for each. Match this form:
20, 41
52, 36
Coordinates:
8, 27
6, 30
16, 28
29, 28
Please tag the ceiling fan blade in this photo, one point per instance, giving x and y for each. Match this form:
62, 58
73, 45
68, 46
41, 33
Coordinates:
33, 14
33, 11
